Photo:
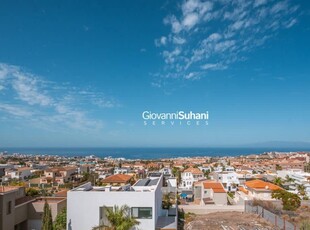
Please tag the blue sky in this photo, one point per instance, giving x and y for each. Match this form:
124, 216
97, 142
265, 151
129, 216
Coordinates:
80, 74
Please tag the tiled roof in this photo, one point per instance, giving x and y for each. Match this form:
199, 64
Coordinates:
193, 170
259, 184
8, 188
62, 193
217, 187
243, 190
23, 168
117, 178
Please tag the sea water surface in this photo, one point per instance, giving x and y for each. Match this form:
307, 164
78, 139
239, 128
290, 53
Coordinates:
147, 153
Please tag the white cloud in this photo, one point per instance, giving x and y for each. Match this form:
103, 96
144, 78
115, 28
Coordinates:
190, 20
51, 104
213, 66
15, 110
175, 24
259, 3
200, 7
220, 31
178, 40
214, 37
161, 42
192, 75
290, 23
279, 6
223, 46
238, 25
170, 56
27, 88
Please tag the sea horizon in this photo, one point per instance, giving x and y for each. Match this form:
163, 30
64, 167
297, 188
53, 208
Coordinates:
148, 152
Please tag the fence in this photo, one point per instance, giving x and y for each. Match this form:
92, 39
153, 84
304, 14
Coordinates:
269, 216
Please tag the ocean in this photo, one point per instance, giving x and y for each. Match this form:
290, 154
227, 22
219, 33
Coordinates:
147, 153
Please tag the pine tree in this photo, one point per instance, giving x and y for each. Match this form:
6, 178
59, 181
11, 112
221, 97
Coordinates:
47, 221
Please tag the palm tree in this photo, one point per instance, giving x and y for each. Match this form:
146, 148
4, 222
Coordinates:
119, 219
166, 202
278, 181
289, 179
301, 190
206, 174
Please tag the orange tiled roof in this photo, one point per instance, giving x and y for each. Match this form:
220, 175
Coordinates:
243, 190
193, 170
259, 184
217, 187
117, 178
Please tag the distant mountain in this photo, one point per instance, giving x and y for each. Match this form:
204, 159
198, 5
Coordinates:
280, 144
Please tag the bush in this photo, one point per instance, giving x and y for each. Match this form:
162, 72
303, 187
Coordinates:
32, 192
290, 201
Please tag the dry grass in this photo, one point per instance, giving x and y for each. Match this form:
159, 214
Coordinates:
229, 220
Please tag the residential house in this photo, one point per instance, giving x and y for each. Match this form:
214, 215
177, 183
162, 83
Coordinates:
299, 178
189, 176
118, 180
166, 171
21, 212
118, 170
259, 189
229, 180
59, 175
21, 173
144, 199
210, 192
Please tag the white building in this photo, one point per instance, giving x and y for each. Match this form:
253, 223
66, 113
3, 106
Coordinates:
20, 173
189, 176
205, 168
229, 180
118, 170
229, 169
86, 204
210, 193
166, 171
299, 178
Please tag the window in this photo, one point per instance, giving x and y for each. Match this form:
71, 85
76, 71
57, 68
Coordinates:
141, 213
9, 208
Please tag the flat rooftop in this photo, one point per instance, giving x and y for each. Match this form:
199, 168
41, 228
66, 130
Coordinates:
146, 182
49, 199
145, 185
4, 189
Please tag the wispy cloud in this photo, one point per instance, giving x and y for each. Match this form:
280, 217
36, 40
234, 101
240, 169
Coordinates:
47, 103
15, 110
212, 35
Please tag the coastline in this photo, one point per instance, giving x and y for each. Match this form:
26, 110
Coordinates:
134, 153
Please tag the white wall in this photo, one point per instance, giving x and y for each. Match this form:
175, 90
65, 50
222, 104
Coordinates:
83, 206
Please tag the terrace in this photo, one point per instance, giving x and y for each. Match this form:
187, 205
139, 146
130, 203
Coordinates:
142, 185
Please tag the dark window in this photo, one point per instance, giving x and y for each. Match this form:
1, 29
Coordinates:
9, 208
141, 213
